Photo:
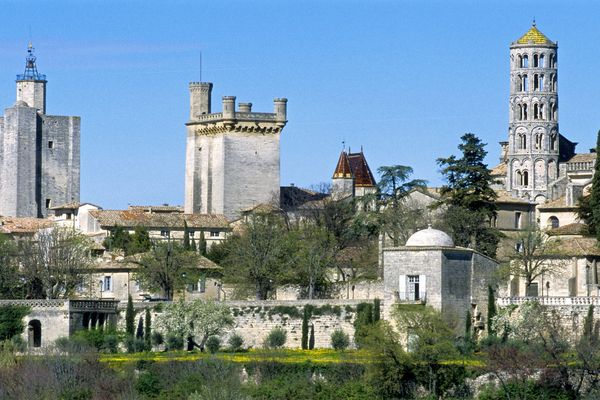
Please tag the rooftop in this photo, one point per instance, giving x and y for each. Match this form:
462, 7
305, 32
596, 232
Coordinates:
533, 36
430, 238
176, 221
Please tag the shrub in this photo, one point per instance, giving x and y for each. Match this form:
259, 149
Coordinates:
11, 321
73, 345
213, 344
148, 384
174, 343
18, 344
111, 343
235, 342
276, 338
135, 345
311, 339
339, 339
157, 338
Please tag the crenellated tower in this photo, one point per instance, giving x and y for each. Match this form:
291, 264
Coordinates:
534, 142
232, 157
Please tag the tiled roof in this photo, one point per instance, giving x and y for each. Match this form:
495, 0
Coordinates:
506, 197
499, 169
342, 169
561, 202
23, 224
360, 169
132, 219
584, 157
70, 206
576, 247
567, 230
151, 209
534, 36
131, 262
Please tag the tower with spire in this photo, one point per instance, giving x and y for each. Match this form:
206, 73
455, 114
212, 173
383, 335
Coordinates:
535, 146
39, 153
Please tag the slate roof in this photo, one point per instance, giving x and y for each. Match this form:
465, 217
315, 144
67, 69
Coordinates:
173, 221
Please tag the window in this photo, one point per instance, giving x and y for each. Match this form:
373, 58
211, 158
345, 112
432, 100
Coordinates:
553, 222
525, 61
536, 82
517, 220
165, 233
524, 112
541, 83
192, 233
541, 61
412, 287
107, 284
50, 144
525, 83
214, 233
538, 141
532, 290
553, 142
48, 203
525, 178
536, 111
68, 215
202, 284
535, 60
541, 111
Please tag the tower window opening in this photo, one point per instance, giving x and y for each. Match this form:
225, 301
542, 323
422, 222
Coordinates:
538, 141
525, 83
535, 111
536, 82
517, 220
524, 112
535, 60
50, 144
542, 112
525, 178
553, 142
525, 61
541, 61
520, 111
48, 202
541, 83
522, 141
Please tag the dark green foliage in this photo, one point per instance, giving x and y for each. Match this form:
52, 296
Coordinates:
174, 343
468, 327
193, 246
593, 219
305, 318
588, 326
139, 333
235, 342
529, 390
491, 311
186, 237
11, 286
106, 341
202, 244
276, 338
140, 242
311, 339
157, 338
213, 344
119, 239
148, 329
129, 317
11, 321
376, 310
362, 323
148, 384
111, 343
469, 198
292, 311
340, 339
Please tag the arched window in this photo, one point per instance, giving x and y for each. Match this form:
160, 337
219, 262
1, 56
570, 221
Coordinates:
541, 60
520, 111
524, 112
538, 140
535, 111
525, 83
518, 178
535, 60
553, 83
553, 222
541, 83
525, 61
536, 82
525, 178
541, 114
34, 330
522, 141
553, 142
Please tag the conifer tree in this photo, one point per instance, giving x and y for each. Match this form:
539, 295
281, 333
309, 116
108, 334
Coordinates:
588, 324
311, 341
139, 333
193, 246
491, 311
305, 318
186, 237
589, 207
148, 329
376, 310
202, 244
129, 317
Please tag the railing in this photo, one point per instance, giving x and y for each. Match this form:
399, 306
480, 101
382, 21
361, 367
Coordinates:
31, 77
550, 300
35, 303
411, 297
581, 166
238, 115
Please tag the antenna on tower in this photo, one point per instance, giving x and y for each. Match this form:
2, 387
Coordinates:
533, 21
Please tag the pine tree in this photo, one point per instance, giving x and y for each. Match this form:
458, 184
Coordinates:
305, 318
491, 311
311, 341
148, 329
129, 317
376, 310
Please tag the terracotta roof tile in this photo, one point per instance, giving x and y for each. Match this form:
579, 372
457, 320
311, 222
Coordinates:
173, 221
360, 169
569, 229
506, 197
23, 224
342, 169
499, 169
559, 203
576, 247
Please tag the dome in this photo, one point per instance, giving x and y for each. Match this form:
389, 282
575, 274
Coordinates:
430, 238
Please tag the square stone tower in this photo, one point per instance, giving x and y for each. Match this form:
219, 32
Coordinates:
39, 153
232, 157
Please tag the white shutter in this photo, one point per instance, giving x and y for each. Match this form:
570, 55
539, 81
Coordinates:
402, 287
422, 287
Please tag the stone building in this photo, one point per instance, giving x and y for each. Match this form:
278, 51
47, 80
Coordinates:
431, 270
39, 153
232, 157
352, 176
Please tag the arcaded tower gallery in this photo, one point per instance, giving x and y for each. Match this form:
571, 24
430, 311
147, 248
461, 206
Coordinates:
39, 153
232, 157
535, 146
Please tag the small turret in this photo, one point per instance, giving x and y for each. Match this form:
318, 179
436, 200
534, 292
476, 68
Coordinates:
229, 108
280, 110
200, 95
31, 85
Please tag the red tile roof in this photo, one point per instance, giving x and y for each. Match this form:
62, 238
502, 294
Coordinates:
173, 221
342, 170
360, 169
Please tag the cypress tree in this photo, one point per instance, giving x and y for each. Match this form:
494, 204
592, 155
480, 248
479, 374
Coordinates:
491, 311
186, 237
139, 333
588, 324
468, 331
148, 329
376, 310
193, 246
594, 218
129, 317
202, 244
305, 318
311, 341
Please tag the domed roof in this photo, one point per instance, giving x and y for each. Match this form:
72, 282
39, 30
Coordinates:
430, 238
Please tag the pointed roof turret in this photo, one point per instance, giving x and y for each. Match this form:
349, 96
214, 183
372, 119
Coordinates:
360, 170
342, 170
31, 72
533, 36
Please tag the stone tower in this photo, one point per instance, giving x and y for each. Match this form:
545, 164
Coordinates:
533, 137
39, 153
232, 157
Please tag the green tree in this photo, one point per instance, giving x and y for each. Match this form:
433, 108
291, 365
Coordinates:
11, 286
398, 218
139, 242
118, 239
129, 317
166, 267
258, 256
11, 321
148, 329
202, 247
589, 206
311, 339
55, 263
195, 320
468, 197
186, 237
305, 318
491, 311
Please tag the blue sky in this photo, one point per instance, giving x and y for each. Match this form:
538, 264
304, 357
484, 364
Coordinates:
404, 79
